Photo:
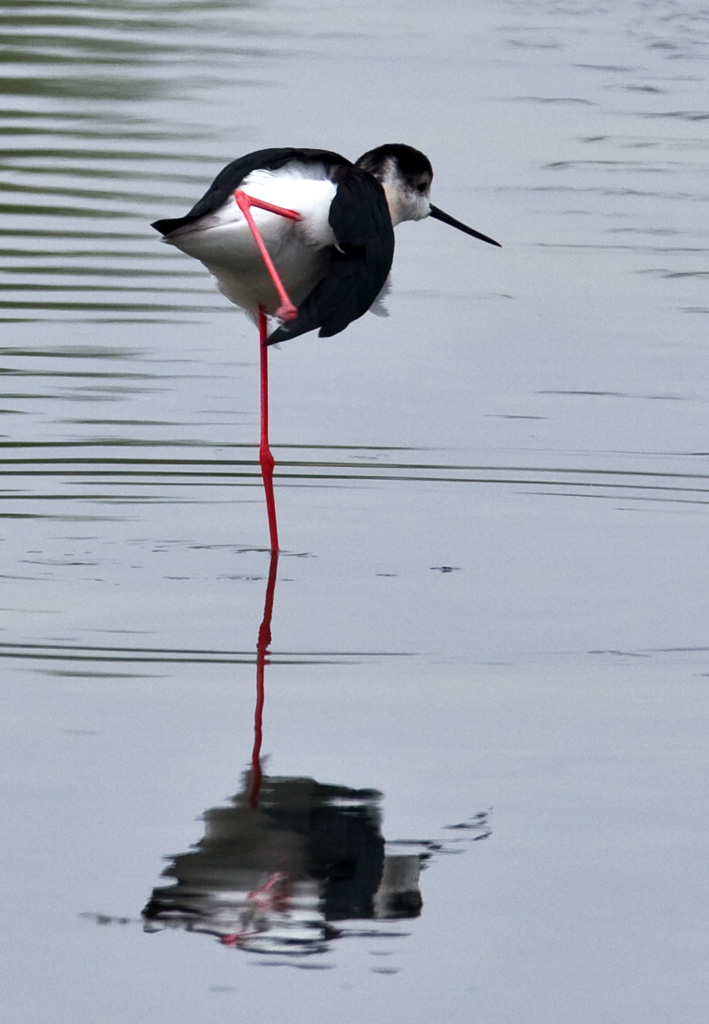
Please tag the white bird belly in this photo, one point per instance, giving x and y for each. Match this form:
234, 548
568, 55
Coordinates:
223, 242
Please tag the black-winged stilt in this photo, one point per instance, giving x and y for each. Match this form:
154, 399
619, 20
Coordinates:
307, 237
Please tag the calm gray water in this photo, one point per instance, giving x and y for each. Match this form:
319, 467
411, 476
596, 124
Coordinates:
483, 763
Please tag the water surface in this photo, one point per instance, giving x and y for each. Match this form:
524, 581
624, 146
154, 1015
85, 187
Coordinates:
482, 708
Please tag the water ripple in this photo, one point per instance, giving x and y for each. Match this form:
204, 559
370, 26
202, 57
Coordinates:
70, 172
105, 479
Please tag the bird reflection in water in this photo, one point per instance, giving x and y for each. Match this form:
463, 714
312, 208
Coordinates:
276, 878
287, 858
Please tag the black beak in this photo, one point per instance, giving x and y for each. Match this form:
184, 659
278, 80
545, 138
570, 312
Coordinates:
447, 219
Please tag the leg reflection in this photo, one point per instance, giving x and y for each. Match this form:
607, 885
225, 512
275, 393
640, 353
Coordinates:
289, 859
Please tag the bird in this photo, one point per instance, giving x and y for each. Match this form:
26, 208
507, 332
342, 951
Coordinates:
305, 236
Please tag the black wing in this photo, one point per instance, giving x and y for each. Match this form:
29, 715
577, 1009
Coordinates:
358, 268
231, 176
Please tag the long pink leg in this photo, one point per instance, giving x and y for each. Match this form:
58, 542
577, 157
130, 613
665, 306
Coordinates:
264, 453
286, 311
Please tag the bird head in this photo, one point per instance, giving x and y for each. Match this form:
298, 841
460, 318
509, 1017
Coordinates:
406, 174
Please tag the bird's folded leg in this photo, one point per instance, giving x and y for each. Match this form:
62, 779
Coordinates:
287, 310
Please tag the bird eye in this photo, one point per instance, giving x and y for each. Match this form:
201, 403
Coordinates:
422, 187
